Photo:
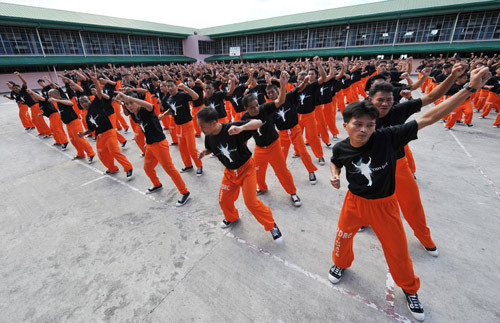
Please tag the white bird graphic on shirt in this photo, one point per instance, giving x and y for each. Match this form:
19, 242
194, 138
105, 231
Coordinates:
173, 107
302, 97
364, 169
143, 127
258, 130
281, 113
92, 120
226, 152
321, 90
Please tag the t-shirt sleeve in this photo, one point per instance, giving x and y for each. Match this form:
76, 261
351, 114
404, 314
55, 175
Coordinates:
409, 107
268, 107
401, 135
335, 156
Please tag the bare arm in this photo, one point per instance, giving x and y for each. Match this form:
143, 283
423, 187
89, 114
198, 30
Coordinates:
284, 77
93, 77
21, 78
335, 179
253, 124
35, 95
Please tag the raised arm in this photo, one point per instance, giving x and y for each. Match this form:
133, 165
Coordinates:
478, 78
131, 100
441, 89
98, 89
321, 70
284, 77
21, 78
35, 95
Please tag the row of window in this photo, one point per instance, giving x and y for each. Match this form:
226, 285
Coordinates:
30, 41
444, 28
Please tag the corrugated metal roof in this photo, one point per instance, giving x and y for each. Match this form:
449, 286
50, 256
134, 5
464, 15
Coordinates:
61, 16
358, 11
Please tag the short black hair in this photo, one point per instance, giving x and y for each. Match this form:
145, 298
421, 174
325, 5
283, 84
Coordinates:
171, 81
208, 114
40, 80
381, 87
271, 87
379, 77
249, 98
359, 109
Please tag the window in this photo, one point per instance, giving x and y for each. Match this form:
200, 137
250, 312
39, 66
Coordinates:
19, 41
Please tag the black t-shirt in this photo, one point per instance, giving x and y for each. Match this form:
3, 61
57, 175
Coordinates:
150, 125
371, 169
179, 104
397, 115
305, 100
286, 115
47, 108
97, 119
199, 90
107, 106
454, 89
66, 112
326, 91
395, 75
266, 134
398, 87
260, 91
26, 97
109, 90
232, 151
216, 101
45, 91
440, 78
495, 81
85, 85
237, 98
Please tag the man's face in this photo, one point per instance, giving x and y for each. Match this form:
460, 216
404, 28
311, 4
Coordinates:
41, 83
171, 88
381, 68
383, 102
312, 75
360, 130
253, 108
207, 128
272, 94
190, 82
85, 102
209, 89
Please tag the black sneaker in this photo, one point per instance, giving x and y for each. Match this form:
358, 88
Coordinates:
362, 228
321, 161
183, 200
482, 117
276, 233
64, 146
126, 130
414, 306
460, 122
226, 224
312, 178
260, 192
173, 144
328, 145
129, 174
469, 125
78, 157
295, 200
153, 189
124, 143
335, 274
56, 144
186, 169
199, 171
91, 159
335, 137
295, 155
47, 136
107, 172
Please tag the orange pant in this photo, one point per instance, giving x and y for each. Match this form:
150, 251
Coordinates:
121, 123
497, 120
40, 124
172, 128
24, 115
108, 151
492, 101
481, 100
246, 178
197, 130
294, 136
57, 129
187, 144
75, 107
81, 145
272, 155
119, 137
330, 113
383, 216
224, 120
409, 157
465, 108
139, 138
409, 201
159, 152
237, 115
308, 122
321, 123
229, 109
339, 99
360, 89
352, 94
430, 87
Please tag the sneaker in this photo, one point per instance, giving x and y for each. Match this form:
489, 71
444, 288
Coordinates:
126, 130
335, 274
443, 121
414, 306
496, 126
469, 125
174, 144
153, 189
295, 156
335, 138
295, 200
47, 136
460, 122
124, 143
129, 174
199, 171
260, 192
186, 169
321, 161
64, 146
91, 159
414, 176
107, 172
40, 135
276, 233
78, 157
142, 155
312, 178
226, 224
328, 145
482, 117
432, 251
55, 144
94, 138
362, 228
183, 200
447, 128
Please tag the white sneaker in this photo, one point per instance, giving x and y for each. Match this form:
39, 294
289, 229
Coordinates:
414, 306
432, 251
